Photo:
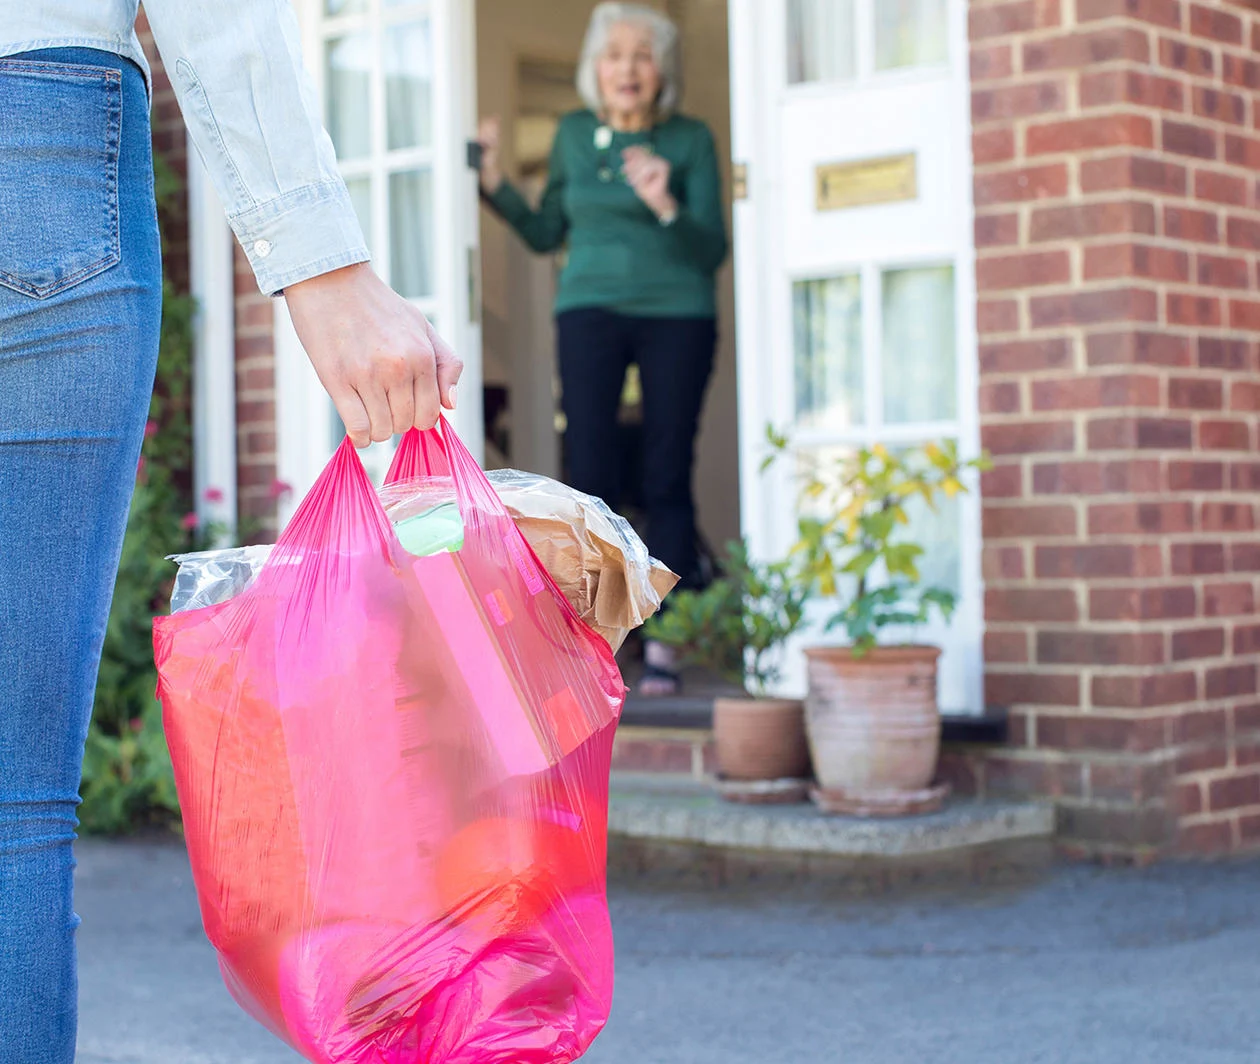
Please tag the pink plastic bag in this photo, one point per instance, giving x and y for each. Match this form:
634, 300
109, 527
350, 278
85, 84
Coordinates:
394, 777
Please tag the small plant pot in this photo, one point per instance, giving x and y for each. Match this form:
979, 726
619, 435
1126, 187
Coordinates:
760, 739
874, 728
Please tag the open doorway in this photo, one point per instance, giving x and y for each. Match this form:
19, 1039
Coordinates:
527, 53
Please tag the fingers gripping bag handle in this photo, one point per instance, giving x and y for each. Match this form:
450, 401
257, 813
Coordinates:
347, 768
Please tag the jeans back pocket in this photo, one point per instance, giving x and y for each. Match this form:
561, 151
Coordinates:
60, 126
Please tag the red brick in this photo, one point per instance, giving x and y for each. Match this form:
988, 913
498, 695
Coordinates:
1091, 219
1196, 476
1244, 314
1188, 798
1129, 518
1183, 308
999, 398
1247, 718
1224, 436
1243, 233
997, 316
1124, 433
1144, 690
1007, 648
1132, 172
1189, 58
1019, 16
1019, 185
1200, 725
1136, 260
1216, 271
1247, 639
1244, 557
1020, 522
1137, 348
1110, 87
1084, 393
1207, 837
1244, 476
1093, 307
1025, 688
1096, 477
1249, 829
1234, 791
1024, 356
1230, 681
1097, 559
1225, 353
1213, 23
1029, 604
1142, 603
1228, 600
992, 146
1244, 395
1193, 393
1193, 643
1202, 759
1227, 517
1023, 271
1237, 70
1020, 100
1100, 648
1002, 563
256, 411
1014, 775
991, 63
1198, 558
1076, 50
1098, 732
1002, 482
1220, 106
1186, 223
1242, 151
1160, 12
1029, 437
1184, 138
996, 230
1086, 134
1220, 188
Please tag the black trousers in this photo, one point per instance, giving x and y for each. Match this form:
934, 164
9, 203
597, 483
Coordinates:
675, 360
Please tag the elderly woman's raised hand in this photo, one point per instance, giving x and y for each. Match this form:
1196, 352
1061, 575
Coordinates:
648, 174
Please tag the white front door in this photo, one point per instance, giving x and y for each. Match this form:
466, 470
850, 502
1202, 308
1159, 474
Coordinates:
854, 263
397, 82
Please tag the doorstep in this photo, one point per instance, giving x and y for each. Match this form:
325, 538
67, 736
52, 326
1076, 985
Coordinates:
674, 826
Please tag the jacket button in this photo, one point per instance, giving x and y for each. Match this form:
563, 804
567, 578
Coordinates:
262, 248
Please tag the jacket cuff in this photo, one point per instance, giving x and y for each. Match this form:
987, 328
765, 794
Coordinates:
300, 235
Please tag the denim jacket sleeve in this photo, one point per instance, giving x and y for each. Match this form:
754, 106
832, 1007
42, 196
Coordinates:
236, 66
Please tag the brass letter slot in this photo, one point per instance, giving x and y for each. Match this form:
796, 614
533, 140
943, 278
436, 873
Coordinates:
867, 182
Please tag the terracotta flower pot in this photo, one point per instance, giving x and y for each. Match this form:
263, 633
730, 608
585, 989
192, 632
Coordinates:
873, 725
760, 739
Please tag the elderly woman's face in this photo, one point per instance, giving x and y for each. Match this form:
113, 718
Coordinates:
629, 79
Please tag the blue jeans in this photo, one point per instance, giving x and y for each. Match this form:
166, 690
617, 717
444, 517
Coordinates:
80, 305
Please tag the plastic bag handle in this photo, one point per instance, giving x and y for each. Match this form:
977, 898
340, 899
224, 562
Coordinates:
437, 452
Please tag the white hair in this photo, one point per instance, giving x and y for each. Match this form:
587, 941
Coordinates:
664, 50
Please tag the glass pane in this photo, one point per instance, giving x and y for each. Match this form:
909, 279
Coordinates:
410, 233
910, 33
360, 189
409, 85
347, 78
940, 535
827, 324
918, 356
820, 40
345, 7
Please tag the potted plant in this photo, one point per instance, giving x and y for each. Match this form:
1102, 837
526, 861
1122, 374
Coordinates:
736, 628
871, 713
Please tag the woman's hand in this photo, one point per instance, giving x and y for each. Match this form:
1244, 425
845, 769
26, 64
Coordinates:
648, 174
376, 355
491, 174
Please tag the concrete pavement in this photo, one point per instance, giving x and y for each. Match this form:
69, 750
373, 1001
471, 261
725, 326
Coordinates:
1090, 967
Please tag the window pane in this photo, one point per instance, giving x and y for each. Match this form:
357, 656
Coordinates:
918, 355
820, 40
345, 7
409, 85
827, 323
410, 233
347, 76
940, 535
910, 33
360, 189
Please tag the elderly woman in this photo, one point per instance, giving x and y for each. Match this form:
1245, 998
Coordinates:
633, 190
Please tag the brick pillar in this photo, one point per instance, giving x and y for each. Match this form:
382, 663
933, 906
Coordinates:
255, 401
1117, 231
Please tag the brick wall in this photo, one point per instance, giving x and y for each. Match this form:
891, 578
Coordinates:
257, 486
1117, 152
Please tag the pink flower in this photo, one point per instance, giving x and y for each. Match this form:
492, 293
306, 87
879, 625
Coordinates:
190, 521
214, 494
150, 428
140, 470
280, 490
137, 725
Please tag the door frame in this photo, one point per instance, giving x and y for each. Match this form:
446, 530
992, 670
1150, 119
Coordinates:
304, 440
759, 27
